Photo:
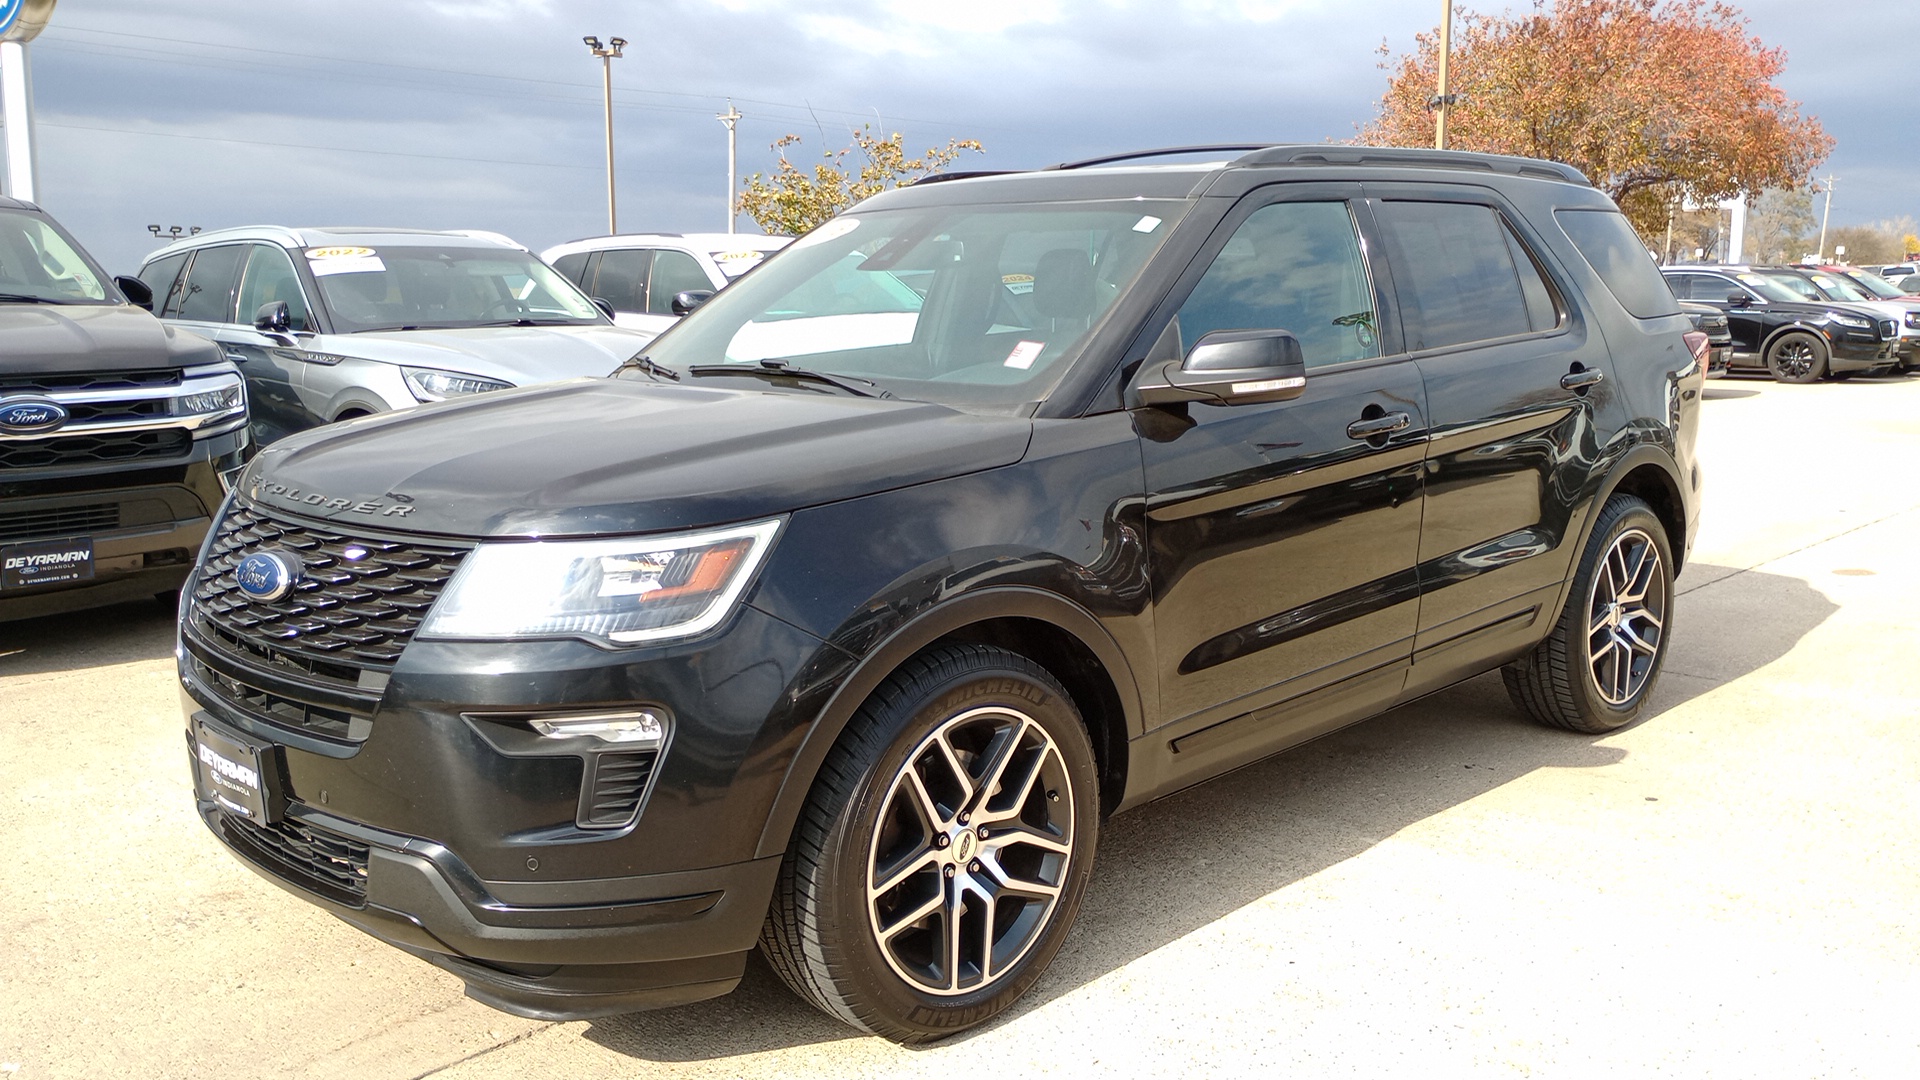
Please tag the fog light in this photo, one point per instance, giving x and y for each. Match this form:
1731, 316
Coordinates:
639, 729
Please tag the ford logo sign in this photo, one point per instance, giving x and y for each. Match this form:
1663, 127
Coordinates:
267, 576
30, 416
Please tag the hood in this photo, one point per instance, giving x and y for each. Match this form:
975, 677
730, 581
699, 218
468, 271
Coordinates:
617, 456
79, 338
515, 354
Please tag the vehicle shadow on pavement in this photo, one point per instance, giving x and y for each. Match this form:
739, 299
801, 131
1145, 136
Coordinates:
1278, 821
75, 640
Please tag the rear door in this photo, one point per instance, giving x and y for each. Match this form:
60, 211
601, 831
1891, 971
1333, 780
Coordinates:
1282, 537
620, 278
1514, 378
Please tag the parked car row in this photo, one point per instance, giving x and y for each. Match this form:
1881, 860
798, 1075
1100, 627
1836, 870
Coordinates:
1783, 321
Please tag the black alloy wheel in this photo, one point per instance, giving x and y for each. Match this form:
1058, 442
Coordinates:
1797, 357
944, 850
1598, 666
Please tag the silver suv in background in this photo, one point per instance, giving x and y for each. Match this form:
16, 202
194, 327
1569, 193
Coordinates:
639, 275
329, 324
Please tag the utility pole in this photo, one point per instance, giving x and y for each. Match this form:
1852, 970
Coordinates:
1825, 214
1443, 99
607, 56
730, 118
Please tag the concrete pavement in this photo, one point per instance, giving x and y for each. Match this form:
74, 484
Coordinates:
1725, 889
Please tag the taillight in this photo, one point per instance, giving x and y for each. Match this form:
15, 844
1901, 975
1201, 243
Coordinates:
1698, 345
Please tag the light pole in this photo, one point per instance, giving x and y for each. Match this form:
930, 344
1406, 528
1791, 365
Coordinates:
730, 118
1443, 99
608, 55
1825, 214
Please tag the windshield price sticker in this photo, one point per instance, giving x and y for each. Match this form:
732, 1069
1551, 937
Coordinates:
1146, 224
344, 260
1024, 354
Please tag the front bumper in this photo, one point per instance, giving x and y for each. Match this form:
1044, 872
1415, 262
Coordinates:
1857, 351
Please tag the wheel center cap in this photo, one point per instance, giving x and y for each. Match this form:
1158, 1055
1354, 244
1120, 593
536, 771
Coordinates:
964, 846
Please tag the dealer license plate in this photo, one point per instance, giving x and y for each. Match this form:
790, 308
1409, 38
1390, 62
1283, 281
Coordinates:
239, 774
46, 562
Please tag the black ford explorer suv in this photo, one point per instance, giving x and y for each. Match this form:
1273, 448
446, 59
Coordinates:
114, 430
838, 623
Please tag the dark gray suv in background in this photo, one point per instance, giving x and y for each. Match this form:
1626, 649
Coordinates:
838, 624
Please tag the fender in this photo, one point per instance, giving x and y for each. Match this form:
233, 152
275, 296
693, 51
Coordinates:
1794, 327
910, 638
1641, 453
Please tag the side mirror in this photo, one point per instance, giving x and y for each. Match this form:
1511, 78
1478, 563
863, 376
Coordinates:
1231, 367
605, 308
135, 291
273, 317
684, 302
1739, 299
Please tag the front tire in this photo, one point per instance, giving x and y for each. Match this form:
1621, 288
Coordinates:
1595, 671
1797, 357
944, 850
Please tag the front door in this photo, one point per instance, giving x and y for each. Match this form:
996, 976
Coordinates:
1283, 537
271, 367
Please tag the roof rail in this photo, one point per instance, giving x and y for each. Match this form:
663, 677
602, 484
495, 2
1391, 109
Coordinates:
1221, 148
943, 177
1329, 154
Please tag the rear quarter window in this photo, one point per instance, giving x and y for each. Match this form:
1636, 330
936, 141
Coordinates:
1615, 252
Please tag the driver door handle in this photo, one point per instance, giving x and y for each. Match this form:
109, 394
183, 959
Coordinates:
236, 357
1374, 427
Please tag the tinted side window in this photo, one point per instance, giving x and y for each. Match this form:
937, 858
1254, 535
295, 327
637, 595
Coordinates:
1542, 312
207, 295
622, 278
269, 277
1454, 273
574, 268
673, 272
1290, 266
163, 277
1615, 252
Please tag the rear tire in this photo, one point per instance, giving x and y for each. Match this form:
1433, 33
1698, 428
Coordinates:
944, 850
1797, 357
1595, 671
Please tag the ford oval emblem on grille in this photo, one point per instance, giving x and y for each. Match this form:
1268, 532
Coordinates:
267, 575
25, 416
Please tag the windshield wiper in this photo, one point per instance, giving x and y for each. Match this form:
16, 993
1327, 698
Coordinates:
780, 369
23, 298
642, 362
532, 322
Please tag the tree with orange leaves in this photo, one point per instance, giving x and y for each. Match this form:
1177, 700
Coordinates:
1655, 100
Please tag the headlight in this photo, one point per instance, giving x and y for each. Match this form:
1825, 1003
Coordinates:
1853, 321
1913, 320
430, 385
618, 591
220, 399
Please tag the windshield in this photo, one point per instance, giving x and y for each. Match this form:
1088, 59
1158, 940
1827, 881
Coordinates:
39, 263
964, 305
1772, 289
1866, 281
421, 287
1837, 287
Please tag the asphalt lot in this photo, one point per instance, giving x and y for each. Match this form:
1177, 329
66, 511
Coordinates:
1725, 889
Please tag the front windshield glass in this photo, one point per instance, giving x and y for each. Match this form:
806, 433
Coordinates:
38, 264
1800, 287
1838, 288
1875, 284
1775, 291
964, 305
424, 287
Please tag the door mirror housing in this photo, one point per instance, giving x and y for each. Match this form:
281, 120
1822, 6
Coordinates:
135, 291
684, 302
274, 317
1739, 299
605, 308
1231, 367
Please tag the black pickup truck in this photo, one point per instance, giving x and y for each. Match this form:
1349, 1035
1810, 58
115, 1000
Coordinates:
115, 431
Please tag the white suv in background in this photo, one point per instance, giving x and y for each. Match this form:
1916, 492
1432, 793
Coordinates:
639, 274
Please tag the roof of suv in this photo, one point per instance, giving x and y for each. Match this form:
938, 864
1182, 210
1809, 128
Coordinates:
318, 236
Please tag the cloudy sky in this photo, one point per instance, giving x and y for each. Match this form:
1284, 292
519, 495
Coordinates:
486, 113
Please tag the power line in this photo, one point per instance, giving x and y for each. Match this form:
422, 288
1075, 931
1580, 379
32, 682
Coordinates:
310, 146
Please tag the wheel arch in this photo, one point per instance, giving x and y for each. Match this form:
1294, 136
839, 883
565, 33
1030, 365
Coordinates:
1793, 328
1061, 636
1650, 474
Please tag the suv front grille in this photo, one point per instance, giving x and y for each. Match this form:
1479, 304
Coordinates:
314, 859
91, 382
1889, 329
64, 521
94, 449
358, 602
